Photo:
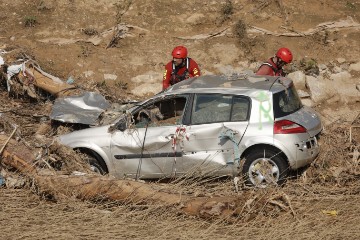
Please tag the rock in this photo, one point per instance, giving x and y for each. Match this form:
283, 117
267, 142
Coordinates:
228, 69
195, 19
88, 73
345, 66
307, 102
322, 67
347, 92
110, 76
303, 94
319, 88
148, 77
342, 77
340, 60
147, 89
355, 67
299, 79
334, 99
337, 69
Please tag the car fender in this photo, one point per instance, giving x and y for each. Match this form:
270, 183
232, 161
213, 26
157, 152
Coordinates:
267, 140
100, 151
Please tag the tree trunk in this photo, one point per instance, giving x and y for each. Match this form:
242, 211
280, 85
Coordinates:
92, 187
51, 84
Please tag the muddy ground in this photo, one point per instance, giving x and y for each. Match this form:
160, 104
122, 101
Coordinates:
57, 34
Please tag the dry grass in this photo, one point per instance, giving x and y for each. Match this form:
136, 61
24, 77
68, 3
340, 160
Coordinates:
326, 194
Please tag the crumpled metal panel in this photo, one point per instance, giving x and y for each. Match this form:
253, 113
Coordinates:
84, 109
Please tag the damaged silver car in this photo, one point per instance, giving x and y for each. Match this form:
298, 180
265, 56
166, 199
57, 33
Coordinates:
254, 126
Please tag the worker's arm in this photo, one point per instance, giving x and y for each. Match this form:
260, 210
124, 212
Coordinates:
167, 75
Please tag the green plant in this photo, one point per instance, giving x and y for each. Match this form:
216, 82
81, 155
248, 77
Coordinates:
30, 21
121, 84
308, 63
350, 5
42, 6
121, 8
239, 29
90, 31
226, 11
101, 84
309, 66
246, 43
85, 51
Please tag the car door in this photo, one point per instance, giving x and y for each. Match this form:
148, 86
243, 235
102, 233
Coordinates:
145, 149
215, 128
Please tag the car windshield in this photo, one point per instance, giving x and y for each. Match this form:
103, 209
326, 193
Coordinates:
160, 112
286, 102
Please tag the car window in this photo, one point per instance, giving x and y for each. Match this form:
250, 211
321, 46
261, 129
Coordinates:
208, 108
160, 112
286, 102
240, 110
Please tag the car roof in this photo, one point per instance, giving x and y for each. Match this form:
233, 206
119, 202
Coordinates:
234, 84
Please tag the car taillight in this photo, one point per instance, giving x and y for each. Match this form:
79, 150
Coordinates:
287, 127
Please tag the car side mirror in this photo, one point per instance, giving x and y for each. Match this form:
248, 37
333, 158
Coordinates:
120, 125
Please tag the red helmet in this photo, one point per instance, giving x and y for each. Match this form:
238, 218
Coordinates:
285, 55
179, 52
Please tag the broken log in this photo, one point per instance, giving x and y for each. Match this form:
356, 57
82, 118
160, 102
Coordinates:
348, 23
17, 155
51, 84
90, 187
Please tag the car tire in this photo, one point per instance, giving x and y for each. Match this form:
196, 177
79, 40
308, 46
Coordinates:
96, 165
265, 167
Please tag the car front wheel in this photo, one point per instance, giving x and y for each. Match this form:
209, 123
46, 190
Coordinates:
96, 165
265, 167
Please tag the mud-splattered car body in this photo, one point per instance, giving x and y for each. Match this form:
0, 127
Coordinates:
210, 125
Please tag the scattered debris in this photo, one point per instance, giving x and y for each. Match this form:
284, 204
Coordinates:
218, 33
327, 26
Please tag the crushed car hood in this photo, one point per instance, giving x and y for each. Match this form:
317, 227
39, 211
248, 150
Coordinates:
84, 109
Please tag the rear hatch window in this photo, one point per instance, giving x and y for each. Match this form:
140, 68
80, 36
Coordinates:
286, 102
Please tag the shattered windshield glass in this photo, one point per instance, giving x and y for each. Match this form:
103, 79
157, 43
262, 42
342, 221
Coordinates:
163, 112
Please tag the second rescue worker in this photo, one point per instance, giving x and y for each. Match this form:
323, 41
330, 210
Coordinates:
180, 68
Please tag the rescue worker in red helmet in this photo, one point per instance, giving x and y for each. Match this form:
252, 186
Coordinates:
180, 68
274, 66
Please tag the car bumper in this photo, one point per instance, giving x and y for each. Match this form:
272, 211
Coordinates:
306, 152
300, 149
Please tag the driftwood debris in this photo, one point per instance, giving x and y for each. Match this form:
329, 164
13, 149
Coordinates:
119, 31
218, 33
89, 187
49, 83
348, 23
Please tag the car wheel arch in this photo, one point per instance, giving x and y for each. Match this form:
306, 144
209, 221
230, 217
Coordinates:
96, 155
259, 147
